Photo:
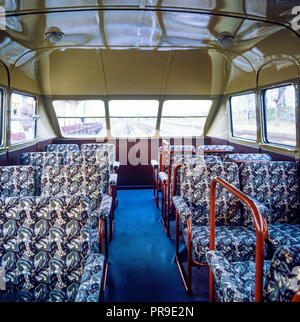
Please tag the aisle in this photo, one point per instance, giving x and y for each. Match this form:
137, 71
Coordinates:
142, 267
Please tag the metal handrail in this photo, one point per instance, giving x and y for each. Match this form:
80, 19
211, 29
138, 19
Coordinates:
260, 229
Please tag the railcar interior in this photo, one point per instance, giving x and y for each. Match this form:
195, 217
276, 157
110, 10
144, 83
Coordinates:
149, 152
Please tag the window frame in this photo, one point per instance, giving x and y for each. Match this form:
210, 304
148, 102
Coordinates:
133, 117
2, 100
34, 118
264, 116
231, 120
183, 117
79, 117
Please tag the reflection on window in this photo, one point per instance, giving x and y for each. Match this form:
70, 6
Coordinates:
184, 117
22, 118
280, 115
81, 118
133, 118
243, 116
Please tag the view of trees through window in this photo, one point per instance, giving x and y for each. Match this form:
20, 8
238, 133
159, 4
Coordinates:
280, 115
22, 118
243, 116
81, 118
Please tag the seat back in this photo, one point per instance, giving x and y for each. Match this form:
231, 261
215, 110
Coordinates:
218, 150
243, 157
17, 181
275, 184
45, 243
195, 190
176, 175
62, 147
92, 157
283, 277
40, 160
108, 148
82, 180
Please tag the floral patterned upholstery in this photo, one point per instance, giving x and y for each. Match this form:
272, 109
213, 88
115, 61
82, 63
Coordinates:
108, 149
235, 281
187, 158
84, 180
237, 243
195, 190
283, 277
92, 158
40, 160
46, 249
274, 184
62, 147
236, 157
234, 240
17, 181
219, 150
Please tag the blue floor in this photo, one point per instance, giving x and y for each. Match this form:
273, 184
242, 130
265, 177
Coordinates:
142, 267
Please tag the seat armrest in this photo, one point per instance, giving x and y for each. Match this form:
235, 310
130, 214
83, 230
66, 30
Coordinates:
91, 279
225, 277
154, 164
113, 179
163, 177
116, 165
105, 206
181, 207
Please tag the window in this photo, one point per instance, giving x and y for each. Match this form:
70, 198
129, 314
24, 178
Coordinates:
243, 116
133, 118
184, 117
22, 118
81, 118
280, 115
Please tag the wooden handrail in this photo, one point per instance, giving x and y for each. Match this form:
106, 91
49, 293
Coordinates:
260, 228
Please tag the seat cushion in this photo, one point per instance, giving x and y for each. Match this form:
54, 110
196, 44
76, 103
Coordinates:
237, 243
234, 282
281, 235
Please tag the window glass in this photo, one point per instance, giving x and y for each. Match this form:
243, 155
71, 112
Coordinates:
184, 117
133, 118
280, 115
81, 118
243, 116
22, 118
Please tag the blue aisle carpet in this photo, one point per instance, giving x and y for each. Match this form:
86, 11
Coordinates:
142, 267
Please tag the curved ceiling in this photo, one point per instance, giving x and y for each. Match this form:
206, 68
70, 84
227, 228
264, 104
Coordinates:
93, 30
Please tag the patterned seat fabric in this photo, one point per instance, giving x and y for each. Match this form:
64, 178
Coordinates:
62, 147
219, 150
17, 181
187, 158
195, 190
46, 249
108, 149
274, 184
92, 158
283, 277
237, 243
40, 160
235, 281
234, 240
84, 180
247, 157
